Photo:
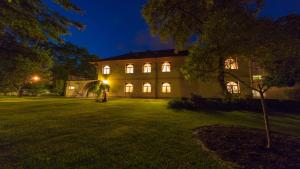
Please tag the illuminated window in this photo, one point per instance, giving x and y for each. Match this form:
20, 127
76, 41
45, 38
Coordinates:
231, 63
257, 77
233, 87
147, 68
256, 94
166, 88
166, 67
128, 88
147, 88
106, 70
71, 87
129, 68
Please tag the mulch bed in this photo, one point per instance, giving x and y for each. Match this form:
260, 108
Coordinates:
246, 147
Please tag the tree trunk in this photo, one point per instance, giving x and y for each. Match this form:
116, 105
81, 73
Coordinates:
104, 97
221, 79
20, 91
266, 119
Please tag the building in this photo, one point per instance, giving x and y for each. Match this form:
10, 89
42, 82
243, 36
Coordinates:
157, 74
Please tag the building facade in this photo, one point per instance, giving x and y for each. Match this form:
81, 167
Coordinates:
157, 74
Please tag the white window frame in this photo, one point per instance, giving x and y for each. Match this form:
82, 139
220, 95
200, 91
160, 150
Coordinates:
166, 67
129, 69
233, 87
256, 94
147, 87
128, 88
147, 68
106, 70
71, 87
231, 64
166, 88
257, 77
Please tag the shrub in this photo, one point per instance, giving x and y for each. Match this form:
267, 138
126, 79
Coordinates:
294, 93
218, 104
180, 104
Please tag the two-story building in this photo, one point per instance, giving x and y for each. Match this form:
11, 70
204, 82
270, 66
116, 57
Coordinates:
157, 74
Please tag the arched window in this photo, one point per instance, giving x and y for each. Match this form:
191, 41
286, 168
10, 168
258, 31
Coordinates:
129, 68
147, 88
166, 67
147, 68
233, 87
128, 88
166, 88
231, 63
106, 70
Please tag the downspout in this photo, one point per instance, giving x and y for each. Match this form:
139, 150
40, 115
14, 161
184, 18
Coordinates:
251, 73
156, 80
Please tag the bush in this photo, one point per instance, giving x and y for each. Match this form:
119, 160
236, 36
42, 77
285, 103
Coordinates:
180, 104
294, 93
36, 89
218, 104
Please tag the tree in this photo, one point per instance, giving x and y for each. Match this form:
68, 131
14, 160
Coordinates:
19, 63
71, 60
99, 88
34, 21
181, 20
27, 28
226, 28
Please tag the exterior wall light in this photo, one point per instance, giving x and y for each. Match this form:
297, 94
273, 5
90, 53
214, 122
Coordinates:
105, 82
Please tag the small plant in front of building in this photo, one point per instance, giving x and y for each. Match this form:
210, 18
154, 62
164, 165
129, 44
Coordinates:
99, 88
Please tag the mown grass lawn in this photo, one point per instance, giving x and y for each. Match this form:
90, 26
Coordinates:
122, 133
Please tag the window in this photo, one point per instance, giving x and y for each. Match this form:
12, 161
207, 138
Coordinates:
129, 69
231, 63
106, 70
256, 94
128, 88
166, 88
147, 68
233, 87
147, 88
71, 87
166, 67
257, 77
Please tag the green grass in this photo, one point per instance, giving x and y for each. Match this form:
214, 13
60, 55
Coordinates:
122, 133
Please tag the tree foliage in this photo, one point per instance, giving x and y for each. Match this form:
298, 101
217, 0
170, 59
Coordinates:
71, 61
34, 22
27, 30
19, 63
99, 88
179, 20
225, 28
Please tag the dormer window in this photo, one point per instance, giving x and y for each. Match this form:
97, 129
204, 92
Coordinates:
166, 67
106, 70
129, 69
147, 68
231, 63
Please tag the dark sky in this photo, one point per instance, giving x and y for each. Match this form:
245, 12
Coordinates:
116, 26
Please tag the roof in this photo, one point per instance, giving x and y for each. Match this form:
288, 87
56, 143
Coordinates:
146, 54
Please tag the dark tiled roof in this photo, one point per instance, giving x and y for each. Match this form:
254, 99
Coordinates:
146, 54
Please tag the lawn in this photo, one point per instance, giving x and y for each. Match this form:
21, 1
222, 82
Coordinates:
122, 133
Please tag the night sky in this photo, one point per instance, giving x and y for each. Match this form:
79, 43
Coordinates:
115, 27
